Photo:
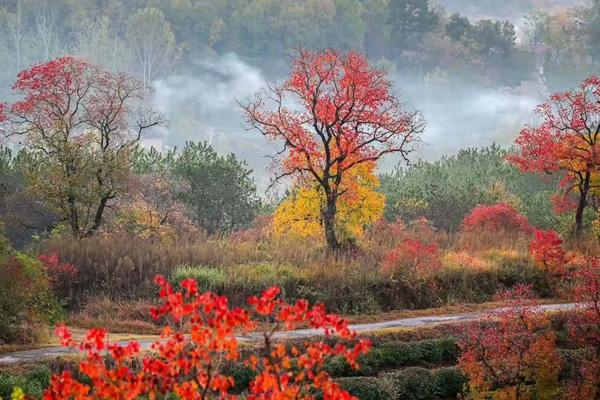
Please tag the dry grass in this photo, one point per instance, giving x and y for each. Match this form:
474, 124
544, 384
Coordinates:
121, 269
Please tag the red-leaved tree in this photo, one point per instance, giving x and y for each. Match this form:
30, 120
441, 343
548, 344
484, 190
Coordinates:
511, 355
567, 140
188, 361
81, 124
584, 329
333, 113
547, 251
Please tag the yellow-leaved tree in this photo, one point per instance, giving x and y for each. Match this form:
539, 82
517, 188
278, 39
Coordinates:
360, 205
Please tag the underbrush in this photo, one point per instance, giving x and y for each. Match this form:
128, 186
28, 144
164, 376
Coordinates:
117, 316
122, 269
27, 304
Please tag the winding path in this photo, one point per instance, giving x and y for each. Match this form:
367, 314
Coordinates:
415, 322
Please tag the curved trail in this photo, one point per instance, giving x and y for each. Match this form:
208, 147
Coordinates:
415, 322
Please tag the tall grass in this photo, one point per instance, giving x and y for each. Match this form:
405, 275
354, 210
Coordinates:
123, 268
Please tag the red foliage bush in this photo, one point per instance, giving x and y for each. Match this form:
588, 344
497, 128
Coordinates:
189, 365
546, 249
412, 259
500, 216
512, 355
61, 275
584, 329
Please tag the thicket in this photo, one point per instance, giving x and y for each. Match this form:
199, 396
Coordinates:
121, 268
27, 303
445, 191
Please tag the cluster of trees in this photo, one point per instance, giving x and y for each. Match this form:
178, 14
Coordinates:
195, 190
81, 164
217, 191
152, 39
81, 126
446, 190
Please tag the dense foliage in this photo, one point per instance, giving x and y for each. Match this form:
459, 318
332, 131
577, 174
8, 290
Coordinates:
27, 305
191, 366
445, 191
217, 191
22, 213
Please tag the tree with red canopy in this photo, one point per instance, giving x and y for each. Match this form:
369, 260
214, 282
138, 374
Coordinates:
333, 113
566, 141
80, 123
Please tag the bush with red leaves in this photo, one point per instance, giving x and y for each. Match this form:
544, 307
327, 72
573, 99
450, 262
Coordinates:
546, 249
500, 216
62, 275
412, 260
188, 361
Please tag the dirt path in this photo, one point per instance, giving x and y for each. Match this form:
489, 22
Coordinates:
415, 322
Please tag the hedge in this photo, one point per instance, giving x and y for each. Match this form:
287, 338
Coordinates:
414, 383
399, 354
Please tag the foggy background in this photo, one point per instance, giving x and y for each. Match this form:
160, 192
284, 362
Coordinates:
198, 84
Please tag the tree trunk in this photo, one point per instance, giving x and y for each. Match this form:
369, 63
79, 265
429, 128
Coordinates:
328, 215
73, 216
582, 203
98, 217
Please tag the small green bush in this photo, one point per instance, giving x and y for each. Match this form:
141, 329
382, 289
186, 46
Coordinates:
260, 276
27, 304
33, 383
237, 282
449, 382
208, 278
413, 383
366, 388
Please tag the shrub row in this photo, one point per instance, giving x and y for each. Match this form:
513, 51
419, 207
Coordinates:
415, 383
399, 354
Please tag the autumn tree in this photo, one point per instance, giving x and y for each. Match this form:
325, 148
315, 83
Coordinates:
584, 329
567, 141
80, 125
299, 214
511, 355
332, 114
